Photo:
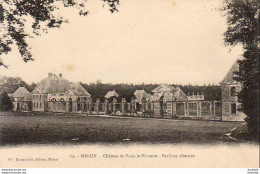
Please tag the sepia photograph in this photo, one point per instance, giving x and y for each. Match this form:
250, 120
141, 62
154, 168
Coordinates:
129, 84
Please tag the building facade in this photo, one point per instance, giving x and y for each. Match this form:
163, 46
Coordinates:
230, 104
22, 99
57, 94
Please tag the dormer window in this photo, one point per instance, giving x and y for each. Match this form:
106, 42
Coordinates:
233, 91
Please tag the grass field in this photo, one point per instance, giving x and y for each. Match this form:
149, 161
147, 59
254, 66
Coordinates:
50, 128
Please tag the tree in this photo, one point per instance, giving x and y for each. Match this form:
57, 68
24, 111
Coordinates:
243, 28
16, 14
5, 102
11, 84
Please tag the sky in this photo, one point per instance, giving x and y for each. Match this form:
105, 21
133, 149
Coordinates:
150, 41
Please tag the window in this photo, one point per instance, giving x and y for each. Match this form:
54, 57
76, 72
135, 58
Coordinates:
54, 105
164, 105
36, 105
233, 91
79, 107
149, 106
40, 105
233, 108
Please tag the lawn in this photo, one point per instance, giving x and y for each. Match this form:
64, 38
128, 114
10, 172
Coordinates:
50, 128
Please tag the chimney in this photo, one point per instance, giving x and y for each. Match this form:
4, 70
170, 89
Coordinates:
49, 74
60, 74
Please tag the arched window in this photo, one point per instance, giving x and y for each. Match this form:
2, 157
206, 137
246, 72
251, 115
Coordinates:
233, 91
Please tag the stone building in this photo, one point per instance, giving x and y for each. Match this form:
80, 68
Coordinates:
57, 94
111, 102
111, 95
165, 98
230, 88
22, 99
169, 93
140, 100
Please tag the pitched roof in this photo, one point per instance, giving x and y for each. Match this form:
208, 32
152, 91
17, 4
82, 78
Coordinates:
180, 95
149, 97
22, 92
164, 88
156, 97
231, 73
111, 94
58, 84
52, 84
140, 94
169, 95
79, 88
73, 92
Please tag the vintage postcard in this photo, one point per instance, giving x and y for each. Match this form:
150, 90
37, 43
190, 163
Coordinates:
137, 84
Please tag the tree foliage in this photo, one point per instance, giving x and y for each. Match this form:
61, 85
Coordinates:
11, 84
243, 28
5, 102
243, 22
15, 14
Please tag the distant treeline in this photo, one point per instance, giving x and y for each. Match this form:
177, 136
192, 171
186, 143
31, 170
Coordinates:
98, 90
